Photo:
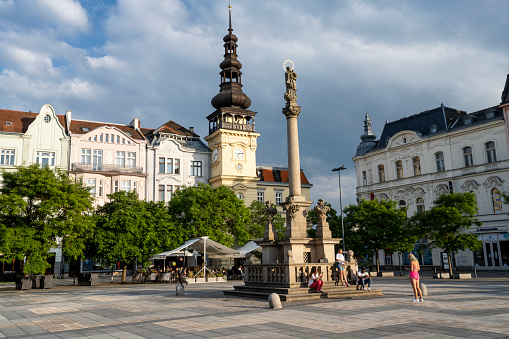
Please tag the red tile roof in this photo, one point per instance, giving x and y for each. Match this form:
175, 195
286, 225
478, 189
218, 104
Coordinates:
20, 120
174, 128
267, 175
77, 125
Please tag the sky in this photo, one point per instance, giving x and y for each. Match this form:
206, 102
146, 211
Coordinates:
158, 60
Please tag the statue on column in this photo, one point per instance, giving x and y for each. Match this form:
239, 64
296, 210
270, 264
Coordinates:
291, 84
270, 229
322, 229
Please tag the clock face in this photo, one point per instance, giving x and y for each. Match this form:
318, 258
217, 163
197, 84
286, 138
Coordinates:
214, 154
238, 153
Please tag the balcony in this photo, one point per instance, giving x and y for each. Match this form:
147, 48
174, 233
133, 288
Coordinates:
101, 168
232, 126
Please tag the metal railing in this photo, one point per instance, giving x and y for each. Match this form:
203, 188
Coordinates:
232, 126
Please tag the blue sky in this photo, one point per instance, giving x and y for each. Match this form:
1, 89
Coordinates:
159, 60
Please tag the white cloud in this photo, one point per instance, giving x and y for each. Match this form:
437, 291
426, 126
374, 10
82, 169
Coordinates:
65, 14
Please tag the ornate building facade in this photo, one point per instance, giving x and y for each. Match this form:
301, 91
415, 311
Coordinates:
435, 152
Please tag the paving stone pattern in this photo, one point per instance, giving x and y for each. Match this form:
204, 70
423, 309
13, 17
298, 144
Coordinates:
477, 308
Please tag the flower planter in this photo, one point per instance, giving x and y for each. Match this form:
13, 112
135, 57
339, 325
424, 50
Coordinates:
166, 277
46, 282
23, 283
139, 278
152, 277
36, 281
88, 279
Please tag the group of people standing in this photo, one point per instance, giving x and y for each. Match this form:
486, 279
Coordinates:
363, 278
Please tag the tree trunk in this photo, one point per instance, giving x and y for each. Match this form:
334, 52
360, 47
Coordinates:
377, 261
450, 263
400, 256
124, 273
112, 273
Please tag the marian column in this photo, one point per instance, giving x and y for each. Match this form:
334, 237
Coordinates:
295, 205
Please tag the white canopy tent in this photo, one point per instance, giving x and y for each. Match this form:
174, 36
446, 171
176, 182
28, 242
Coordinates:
247, 248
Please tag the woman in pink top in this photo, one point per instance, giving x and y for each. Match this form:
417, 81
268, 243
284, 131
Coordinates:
414, 277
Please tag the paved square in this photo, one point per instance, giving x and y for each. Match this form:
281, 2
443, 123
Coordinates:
477, 308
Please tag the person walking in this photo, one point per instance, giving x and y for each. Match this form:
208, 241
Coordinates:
340, 266
181, 268
414, 277
315, 280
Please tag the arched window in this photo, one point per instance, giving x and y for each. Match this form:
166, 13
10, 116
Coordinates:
381, 173
497, 200
467, 155
491, 151
439, 157
420, 205
402, 204
417, 165
239, 195
399, 169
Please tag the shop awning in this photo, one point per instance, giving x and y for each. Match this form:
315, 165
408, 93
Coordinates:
248, 248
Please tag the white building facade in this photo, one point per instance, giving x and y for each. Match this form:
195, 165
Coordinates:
439, 151
176, 157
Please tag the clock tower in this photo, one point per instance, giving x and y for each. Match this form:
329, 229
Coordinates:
232, 136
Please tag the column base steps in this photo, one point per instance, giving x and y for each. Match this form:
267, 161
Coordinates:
302, 293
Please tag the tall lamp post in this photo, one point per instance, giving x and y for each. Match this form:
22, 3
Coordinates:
339, 169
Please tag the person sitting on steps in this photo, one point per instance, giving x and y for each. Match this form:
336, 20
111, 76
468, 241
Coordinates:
315, 280
362, 278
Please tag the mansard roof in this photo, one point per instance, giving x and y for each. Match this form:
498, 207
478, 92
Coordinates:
505, 92
18, 121
279, 175
83, 127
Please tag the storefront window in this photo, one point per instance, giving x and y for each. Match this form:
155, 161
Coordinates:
479, 257
504, 252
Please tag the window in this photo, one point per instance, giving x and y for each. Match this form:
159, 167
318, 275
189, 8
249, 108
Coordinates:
381, 173
100, 188
126, 185
85, 156
177, 187
439, 157
491, 152
420, 205
91, 186
47, 118
100, 138
123, 141
118, 139
135, 186
85, 129
7, 157
177, 166
364, 178
196, 169
261, 196
402, 204
97, 159
467, 155
169, 190
497, 200
45, 158
162, 166
169, 166
161, 192
399, 169
106, 138
120, 159
131, 159
112, 139
417, 165
279, 197
115, 186
239, 195
95, 137
433, 128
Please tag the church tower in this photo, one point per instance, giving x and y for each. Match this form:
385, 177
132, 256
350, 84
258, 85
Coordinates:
232, 136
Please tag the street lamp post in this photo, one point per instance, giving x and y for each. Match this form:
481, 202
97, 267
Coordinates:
339, 169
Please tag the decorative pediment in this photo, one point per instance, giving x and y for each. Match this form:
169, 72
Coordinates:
170, 180
409, 194
239, 187
470, 185
403, 138
441, 189
493, 182
382, 196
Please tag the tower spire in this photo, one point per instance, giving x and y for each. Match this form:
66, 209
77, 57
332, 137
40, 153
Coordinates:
230, 29
368, 132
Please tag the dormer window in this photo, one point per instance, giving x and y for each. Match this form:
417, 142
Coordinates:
468, 121
128, 133
85, 129
490, 115
433, 128
8, 123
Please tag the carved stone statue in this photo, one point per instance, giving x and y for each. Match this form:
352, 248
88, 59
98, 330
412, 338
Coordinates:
322, 228
270, 229
321, 209
291, 84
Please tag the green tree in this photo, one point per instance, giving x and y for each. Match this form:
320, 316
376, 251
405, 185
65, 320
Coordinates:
129, 229
38, 206
373, 225
216, 213
256, 225
333, 219
446, 222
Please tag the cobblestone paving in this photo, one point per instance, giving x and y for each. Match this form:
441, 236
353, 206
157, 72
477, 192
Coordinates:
477, 308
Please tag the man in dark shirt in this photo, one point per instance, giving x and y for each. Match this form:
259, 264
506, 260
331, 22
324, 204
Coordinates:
181, 268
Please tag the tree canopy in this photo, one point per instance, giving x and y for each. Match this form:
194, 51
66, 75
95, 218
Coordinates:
38, 206
377, 224
130, 229
216, 213
445, 223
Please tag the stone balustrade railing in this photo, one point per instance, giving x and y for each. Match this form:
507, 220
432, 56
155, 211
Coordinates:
286, 274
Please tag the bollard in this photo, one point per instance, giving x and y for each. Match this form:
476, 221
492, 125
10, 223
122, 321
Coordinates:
180, 291
274, 301
424, 289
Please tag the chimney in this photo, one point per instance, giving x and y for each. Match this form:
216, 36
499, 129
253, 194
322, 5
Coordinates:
136, 124
191, 129
68, 120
